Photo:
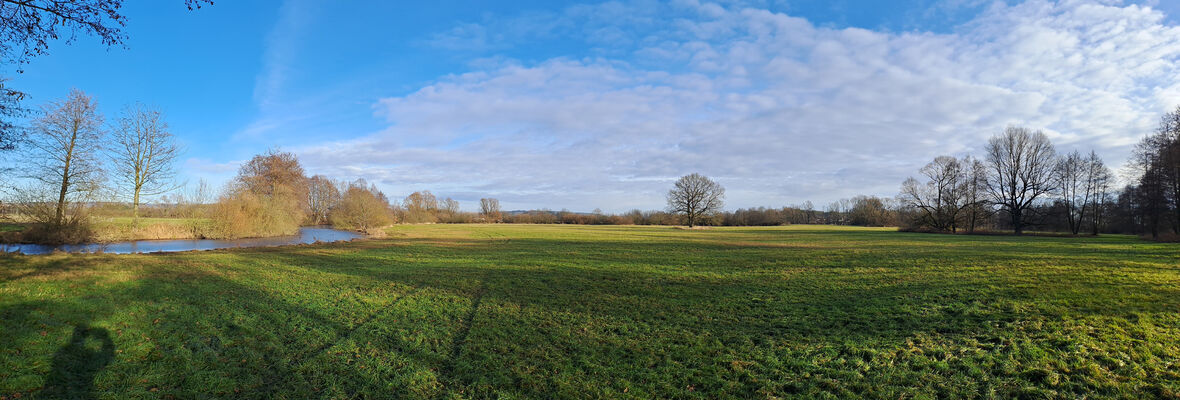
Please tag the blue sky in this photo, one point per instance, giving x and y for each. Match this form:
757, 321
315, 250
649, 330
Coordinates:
585, 105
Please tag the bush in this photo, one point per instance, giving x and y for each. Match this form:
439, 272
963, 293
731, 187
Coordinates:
72, 232
362, 209
242, 214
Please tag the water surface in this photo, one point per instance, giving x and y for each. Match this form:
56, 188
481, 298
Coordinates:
306, 235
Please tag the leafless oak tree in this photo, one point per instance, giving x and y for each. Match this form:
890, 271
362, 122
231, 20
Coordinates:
695, 196
65, 145
144, 154
1021, 163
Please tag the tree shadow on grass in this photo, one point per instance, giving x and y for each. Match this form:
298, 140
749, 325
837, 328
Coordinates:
77, 363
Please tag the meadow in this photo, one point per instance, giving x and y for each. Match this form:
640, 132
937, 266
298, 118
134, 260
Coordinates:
552, 311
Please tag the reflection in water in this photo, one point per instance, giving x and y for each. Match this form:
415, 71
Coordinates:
306, 235
77, 363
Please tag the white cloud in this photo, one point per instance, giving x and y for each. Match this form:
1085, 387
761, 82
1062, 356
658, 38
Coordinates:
776, 108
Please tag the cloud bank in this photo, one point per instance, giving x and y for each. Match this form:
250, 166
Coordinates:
776, 108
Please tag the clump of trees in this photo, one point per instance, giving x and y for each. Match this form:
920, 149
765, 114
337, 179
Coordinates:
1084, 184
1153, 199
65, 166
267, 198
420, 207
871, 211
271, 196
362, 208
322, 195
952, 196
73, 162
65, 154
1021, 179
489, 210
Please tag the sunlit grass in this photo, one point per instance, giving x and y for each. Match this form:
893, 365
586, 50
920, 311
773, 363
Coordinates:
11, 227
479, 311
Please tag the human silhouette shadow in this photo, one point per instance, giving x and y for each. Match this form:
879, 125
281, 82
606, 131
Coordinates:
76, 364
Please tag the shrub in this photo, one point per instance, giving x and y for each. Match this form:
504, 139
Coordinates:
242, 214
362, 209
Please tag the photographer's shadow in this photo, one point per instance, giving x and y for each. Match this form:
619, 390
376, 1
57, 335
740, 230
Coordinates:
76, 364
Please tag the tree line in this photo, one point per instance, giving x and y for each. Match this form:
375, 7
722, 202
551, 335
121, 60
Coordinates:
1020, 180
1022, 183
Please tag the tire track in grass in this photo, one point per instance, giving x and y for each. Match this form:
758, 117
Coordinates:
447, 372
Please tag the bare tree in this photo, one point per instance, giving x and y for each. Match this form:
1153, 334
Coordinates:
834, 213
1084, 185
974, 193
275, 173
421, 207
695, 196
450, 209
1021, 163
942, 199
65, 145
870, 211
489, 209
1099, 179
1072, 183
200, 194
808, 211
322, 196
10, 135
1151, 162
144, 154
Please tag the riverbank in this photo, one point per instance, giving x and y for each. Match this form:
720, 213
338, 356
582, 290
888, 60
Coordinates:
305, 235
120, 229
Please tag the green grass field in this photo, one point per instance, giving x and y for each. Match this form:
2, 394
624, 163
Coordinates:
484, 311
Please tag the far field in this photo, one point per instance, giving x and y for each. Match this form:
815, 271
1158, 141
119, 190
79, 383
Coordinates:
545, 311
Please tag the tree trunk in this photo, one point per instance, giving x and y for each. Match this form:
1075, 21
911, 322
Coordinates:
60, 214
135, 208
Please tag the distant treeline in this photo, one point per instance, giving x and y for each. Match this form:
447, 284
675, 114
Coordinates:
860, 210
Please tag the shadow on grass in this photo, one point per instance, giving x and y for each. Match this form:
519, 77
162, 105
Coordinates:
76, 364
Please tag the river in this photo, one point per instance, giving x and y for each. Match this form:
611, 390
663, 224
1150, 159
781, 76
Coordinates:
306, 235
